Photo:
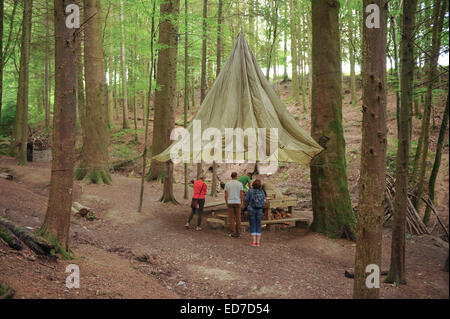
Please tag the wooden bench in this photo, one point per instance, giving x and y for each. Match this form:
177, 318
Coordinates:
223, 222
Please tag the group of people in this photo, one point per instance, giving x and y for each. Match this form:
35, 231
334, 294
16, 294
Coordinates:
240, 194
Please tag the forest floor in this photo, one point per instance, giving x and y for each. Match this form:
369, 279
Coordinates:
125, 254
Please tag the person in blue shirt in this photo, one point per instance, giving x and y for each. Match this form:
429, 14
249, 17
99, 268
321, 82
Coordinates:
256, 200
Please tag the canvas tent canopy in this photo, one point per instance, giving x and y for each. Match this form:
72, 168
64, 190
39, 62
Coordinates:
242, 97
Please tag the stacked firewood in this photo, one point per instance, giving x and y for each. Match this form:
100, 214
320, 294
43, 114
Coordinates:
280, 213
41, 141
414, 222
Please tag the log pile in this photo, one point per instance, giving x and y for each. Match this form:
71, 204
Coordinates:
414, 222
82, 211
15, 236
280, 213
40, 141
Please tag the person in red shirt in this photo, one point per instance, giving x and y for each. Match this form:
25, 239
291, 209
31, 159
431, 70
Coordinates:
200, 189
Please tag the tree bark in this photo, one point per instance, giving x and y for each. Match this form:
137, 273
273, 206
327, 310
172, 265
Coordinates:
46, 69
186, 77
352, 60
2, 6
439, 11
94, 165
373, 153
437, 162
81, 101
294, 54
332, 209
166, 80
204, 47
20, 131
57, 219
147, 113
397, 268
123, 67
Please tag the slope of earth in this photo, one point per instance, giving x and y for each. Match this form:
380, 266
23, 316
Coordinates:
125, 254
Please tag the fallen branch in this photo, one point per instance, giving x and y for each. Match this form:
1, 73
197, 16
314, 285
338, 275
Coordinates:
414, 223
36, 243
6, 176
9, 238
430, 205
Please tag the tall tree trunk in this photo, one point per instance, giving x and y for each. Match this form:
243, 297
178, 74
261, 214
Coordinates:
20, 132
147, 112
204, 47
219, 48
332, 209
46, 68
397, 69
373, 153
123, 67
133, 77
437, 162
294, 54
57, 219
5, 52
428, 20
169, 82
186, 78
94, 165
2, 6
352, 59
203, 75
219, 38
439, 11
397, 268
110, 85
116, 94
251, 22
166, 80
274, 39
81, 101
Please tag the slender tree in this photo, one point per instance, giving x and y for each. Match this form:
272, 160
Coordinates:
166, 80
437, 162
20, 132
332, 209
168, 34
81, 100
373, 152
186, 86
123, 67
203, 74
397, 268
294, 48
57, 219
94, 165
351, 49
439, 11
219, 49
47, 67
147, 113
2, 6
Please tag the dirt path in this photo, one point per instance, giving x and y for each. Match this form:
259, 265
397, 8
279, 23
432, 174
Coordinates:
183, 263
124, 254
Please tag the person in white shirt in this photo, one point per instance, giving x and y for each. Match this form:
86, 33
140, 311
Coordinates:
234, 198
